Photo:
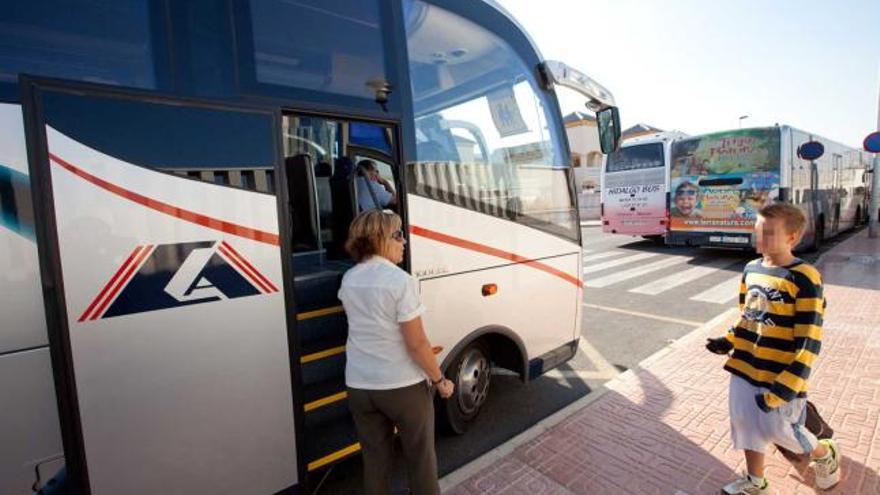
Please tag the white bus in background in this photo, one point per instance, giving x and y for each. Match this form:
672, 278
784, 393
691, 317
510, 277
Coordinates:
176, 188
634, 186
719, 181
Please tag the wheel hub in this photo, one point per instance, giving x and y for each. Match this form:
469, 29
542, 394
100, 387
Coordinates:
473, 381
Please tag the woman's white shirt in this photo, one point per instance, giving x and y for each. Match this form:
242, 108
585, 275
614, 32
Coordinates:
378, 296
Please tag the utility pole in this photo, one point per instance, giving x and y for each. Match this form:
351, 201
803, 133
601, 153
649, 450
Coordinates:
875, 188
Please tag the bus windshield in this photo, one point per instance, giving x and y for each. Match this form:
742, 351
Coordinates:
637, 157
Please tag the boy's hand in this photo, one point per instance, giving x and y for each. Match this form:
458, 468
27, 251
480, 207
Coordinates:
719, 346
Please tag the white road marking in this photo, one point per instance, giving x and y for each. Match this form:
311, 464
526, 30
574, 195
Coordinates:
721, 293
664, 284
644, 315
638, 271
599, 256
604, 370
620, 261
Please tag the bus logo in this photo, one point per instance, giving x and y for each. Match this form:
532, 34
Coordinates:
164, 276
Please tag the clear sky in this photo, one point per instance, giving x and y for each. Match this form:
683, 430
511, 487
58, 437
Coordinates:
697, 65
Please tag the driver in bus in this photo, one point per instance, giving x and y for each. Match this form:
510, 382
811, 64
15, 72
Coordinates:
686, 196
373, 192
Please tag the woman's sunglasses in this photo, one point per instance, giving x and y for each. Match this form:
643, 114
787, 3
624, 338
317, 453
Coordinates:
398, 235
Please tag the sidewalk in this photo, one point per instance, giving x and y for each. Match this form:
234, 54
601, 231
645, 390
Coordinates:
663, 428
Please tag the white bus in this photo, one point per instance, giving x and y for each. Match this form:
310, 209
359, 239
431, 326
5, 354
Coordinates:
719, 181
176, 183
635, 182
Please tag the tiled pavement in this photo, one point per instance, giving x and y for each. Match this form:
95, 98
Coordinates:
663, 428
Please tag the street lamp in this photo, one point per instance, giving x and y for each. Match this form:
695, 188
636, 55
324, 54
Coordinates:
741, 118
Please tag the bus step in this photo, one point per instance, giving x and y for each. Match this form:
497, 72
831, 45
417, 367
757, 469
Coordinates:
325, 402
326, 326
322, 361
330, 443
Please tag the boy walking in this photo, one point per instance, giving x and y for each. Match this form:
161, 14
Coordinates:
775, 343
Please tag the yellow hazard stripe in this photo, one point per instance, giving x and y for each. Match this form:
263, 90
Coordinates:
308, 358
330, 399
335, 456
307, 315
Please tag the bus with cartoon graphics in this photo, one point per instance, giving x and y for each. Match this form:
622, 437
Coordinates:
719, 181
634, 183
176, 184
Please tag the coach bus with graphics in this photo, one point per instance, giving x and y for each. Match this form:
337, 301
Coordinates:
719, 181
177, 180
634, 186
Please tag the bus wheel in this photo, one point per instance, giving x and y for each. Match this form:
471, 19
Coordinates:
471, 372
859, 219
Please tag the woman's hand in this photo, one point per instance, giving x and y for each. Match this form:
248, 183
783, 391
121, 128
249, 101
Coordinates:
445, 388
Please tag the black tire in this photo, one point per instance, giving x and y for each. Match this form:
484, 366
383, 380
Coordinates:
471, 372
859, 219
818, 234
656, 239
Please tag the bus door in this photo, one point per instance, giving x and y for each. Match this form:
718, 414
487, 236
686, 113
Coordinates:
164, 284
331, 165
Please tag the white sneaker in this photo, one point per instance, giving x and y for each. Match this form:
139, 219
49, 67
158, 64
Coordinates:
827, 470
744, 486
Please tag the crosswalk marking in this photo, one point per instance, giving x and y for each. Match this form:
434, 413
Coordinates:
599, 256
638, 271
676, 279
620, 261
721, 293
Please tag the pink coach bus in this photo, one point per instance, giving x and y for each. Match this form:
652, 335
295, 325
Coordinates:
635, 182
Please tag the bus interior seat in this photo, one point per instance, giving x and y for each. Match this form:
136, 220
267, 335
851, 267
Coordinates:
344, 204
303, 207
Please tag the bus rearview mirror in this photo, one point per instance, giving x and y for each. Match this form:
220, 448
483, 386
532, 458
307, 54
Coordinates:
608, 120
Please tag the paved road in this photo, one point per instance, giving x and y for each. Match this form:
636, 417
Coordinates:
639, 296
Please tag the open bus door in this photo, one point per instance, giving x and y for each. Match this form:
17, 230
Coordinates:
165, 295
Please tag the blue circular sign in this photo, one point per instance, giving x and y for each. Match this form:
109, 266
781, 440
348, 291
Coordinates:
811, 150
872, 142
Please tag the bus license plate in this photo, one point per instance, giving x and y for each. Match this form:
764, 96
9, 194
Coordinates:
729, 239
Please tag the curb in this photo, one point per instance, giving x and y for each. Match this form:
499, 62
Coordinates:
470, 469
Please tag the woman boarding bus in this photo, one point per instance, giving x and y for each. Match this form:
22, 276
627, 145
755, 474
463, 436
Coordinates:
177, 182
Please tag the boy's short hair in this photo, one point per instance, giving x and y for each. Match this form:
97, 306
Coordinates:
793, 218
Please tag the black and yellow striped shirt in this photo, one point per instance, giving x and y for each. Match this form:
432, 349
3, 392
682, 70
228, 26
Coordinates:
779, 331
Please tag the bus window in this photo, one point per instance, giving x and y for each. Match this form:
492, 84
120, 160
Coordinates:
482, 135
329, 46
49, 38
636, 158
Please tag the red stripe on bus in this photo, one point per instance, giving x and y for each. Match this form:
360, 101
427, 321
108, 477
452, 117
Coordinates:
498, 253
100, 296
254, 280
250, 266
129, 273
183, 214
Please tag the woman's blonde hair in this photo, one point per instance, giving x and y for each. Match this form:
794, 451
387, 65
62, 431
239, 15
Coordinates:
370, 232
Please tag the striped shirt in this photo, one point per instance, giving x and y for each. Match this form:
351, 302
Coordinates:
779, 331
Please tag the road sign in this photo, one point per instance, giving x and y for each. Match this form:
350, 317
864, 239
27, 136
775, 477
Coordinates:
811, 150
872, 142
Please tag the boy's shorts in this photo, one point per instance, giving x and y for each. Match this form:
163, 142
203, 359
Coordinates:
753, 429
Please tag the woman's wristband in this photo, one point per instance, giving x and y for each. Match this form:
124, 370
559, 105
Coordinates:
438, 381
